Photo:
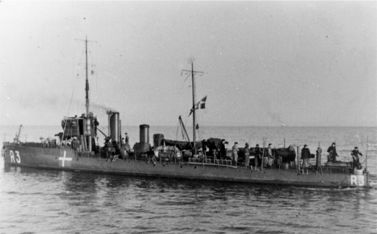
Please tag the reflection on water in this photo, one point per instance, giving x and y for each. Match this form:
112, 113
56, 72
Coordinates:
49, 201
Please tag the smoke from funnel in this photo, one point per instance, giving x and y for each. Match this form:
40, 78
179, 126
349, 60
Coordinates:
102, 107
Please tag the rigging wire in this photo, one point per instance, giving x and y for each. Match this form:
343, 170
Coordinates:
176, 132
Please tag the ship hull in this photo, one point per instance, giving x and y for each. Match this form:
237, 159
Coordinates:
65, 158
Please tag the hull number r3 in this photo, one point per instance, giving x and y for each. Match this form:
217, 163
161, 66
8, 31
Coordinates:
15, 156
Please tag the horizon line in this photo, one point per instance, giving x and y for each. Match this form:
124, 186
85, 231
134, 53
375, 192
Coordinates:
231, 125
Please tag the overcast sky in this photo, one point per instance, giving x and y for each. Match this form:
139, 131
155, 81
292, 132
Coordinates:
264, 63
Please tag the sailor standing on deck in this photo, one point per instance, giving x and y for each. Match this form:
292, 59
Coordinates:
305, 155
332, 153
235, 153
75, 143
204, 148
270, 157
258, 156
318, 159
222, 149
247, 154
356, 159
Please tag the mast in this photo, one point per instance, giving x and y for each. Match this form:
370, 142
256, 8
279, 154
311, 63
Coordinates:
88, 132
86, 79
192, 72
193, 107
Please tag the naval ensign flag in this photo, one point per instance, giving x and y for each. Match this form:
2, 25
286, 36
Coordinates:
199, 105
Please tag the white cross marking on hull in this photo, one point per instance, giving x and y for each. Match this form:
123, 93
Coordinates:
64, 158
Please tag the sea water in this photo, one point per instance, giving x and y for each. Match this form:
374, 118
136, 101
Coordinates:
47, 201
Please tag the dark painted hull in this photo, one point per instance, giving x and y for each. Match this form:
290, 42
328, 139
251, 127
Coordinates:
65, 158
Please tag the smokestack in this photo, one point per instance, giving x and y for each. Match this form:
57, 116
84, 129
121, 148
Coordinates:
143, 146
114, 126
144, 133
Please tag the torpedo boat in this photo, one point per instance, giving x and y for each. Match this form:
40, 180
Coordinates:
77, 148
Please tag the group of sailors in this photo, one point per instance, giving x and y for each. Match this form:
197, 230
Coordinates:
331, 157
355, 153
267, 158
261, 156
220, 152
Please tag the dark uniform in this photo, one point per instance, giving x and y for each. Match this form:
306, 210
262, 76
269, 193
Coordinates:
305, 155
355, 158
332, 153
204, 147
258, 156
222, 149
